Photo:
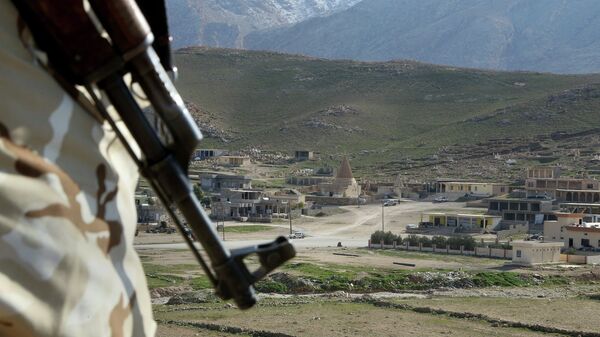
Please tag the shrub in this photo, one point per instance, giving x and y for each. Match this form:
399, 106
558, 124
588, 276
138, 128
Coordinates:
387, 237
413, 240
439, 241
456, 241
425, 241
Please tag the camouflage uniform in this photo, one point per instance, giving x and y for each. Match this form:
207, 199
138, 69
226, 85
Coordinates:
67, 213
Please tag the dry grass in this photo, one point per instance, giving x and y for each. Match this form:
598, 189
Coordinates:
333, 318
571, 313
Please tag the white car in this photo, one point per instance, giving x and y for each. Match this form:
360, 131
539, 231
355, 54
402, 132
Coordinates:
296, 235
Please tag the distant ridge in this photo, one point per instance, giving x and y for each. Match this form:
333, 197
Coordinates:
559, 36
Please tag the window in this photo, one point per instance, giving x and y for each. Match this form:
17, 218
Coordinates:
590, 186
585, 242
502, 190
518, 253
535, 207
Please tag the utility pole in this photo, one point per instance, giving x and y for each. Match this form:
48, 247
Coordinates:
382, 216
290, 216
223, 219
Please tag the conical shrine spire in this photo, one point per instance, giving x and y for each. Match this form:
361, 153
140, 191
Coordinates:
344, 172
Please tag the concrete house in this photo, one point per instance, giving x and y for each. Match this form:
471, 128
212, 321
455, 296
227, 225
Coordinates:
530, 210
202, 154
547, 181
302, 155
554, 230
467, 222
482, 189
585, 235
218, 182
535, 252
234, 160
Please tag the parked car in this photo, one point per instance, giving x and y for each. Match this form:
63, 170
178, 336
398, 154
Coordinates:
296, 235
391, 202
411, 226
440, 199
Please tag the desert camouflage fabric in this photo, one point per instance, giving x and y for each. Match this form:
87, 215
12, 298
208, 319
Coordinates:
67, 213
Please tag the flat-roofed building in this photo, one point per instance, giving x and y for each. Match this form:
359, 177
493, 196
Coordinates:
589, 212
216, 182
581, 236
463, 220
234, 160
483, 189
554, 230
535, 252
547, 181
202, 154
301, 155
530, 210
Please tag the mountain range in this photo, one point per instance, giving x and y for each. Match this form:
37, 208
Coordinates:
225, 23
559, 36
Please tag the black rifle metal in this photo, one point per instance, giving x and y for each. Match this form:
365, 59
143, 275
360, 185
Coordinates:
164, 165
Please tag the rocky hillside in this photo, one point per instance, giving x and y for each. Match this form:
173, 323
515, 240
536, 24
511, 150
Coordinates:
225, 23
558, 36
394, 114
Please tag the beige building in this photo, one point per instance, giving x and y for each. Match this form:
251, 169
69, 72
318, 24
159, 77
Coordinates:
475, 188
234, 160
535, 252
344, 185
586, 235
554, 230
466, 221
547, 181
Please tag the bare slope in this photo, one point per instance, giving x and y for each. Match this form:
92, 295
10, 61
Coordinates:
382, 110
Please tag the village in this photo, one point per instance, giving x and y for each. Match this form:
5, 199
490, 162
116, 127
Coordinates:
550, 219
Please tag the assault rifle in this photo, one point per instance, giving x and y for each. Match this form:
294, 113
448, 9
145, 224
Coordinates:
95, 47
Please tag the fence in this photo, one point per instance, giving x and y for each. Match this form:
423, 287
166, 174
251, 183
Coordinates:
479, 251
580, 259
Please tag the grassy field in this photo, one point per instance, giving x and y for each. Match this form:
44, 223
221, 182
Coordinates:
313, 297
247, 228
392, 110
297, 317
571, 313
